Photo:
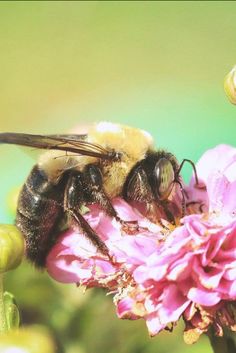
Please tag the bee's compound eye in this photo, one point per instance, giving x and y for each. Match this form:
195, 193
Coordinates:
164, 174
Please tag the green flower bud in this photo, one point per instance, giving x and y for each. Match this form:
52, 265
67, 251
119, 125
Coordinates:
11, 311
230, 85
11, 247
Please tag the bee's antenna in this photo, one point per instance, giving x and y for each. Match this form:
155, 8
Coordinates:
197, 183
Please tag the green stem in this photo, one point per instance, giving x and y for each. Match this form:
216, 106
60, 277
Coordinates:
221, 344
3, 325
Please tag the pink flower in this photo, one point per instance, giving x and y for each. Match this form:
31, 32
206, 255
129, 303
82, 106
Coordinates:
160, 276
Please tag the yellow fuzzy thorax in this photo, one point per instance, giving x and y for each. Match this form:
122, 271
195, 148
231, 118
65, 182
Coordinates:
134, 142
131, 142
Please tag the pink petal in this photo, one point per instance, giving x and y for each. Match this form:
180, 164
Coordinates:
125, 211
69, 271
232, 290
204, 297
77, 243
213, 246
230, 274
134, 248
144, 273
220, 161
229, 199
209, 279
215, 159
216, 187
124, 309
173, 304
153, 324
180, 269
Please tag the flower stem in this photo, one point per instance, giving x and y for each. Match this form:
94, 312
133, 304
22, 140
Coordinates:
221, 344
3, 325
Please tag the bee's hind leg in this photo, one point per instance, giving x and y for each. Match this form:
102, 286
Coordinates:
75, 197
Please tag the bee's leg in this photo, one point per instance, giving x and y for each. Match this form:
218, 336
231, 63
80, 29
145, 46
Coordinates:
73, 200
95, 194
169, 216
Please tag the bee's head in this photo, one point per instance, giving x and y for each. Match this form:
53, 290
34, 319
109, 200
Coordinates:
153, 177
161, 169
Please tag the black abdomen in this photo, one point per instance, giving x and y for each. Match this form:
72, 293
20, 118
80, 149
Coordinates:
39, 211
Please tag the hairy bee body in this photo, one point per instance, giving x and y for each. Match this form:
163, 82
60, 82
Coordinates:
111, 160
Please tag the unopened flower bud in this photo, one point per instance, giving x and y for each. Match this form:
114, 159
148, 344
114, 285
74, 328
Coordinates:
11, 311
11, 247
230, 85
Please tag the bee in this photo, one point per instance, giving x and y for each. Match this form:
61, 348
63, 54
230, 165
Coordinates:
82, 169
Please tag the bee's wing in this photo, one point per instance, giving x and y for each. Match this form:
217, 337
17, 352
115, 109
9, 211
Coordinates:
74, 137
70, 143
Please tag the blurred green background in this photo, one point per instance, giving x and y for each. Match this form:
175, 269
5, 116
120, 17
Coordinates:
154, 65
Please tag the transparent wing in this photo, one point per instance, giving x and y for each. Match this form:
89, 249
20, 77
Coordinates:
70, 143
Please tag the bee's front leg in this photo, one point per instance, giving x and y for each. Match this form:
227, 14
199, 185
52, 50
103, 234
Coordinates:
95, 193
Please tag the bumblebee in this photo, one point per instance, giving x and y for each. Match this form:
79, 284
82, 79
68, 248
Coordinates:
110, 160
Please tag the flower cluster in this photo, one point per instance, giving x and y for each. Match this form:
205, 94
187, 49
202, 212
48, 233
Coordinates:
160, 275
